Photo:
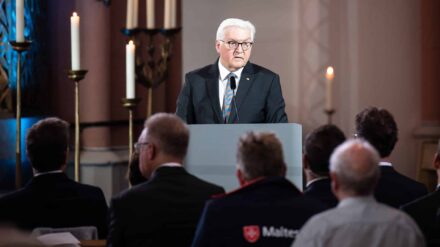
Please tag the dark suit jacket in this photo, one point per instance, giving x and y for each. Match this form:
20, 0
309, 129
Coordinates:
395, 190
258, 99
273, 208
322, 190
161, 212
426, 212
54, 200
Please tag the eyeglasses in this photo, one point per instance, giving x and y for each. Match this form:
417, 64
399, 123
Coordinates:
138, 145
234, 44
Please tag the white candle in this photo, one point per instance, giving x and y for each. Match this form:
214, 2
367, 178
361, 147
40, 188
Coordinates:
74, 35
173, 14
150, 14
329, 75
130, 5
19, 20
130, 70
167, 14
135, 13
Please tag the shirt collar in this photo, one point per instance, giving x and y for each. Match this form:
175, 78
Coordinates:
171, 164
225, 72
355, 199
314, 180
49, 172
383, 163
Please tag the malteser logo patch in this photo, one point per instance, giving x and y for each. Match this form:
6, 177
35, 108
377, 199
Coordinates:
251, 233
279, 232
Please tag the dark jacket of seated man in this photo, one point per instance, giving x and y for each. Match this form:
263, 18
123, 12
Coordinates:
51, 199
268, 210
318, 146
163, 211
378, 127
54, 200
425, 210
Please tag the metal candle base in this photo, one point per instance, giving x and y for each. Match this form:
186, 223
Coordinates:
130, 104
77, 76
329, 113
19, 47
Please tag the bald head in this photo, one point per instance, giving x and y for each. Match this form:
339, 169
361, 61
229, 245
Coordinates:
355, 165
168, 133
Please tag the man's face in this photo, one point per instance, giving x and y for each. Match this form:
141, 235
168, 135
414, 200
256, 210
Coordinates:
145, 155
234, 59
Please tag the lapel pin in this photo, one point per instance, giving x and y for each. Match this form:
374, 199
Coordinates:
247, 78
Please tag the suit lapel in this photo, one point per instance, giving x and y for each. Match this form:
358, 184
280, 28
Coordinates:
212, 86
246, 81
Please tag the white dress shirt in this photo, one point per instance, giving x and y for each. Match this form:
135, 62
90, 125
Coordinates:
223, 81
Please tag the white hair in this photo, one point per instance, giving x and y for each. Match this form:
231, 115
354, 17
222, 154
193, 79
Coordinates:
355, 164
235, 22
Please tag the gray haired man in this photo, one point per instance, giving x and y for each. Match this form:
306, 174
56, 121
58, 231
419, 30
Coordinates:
358, 220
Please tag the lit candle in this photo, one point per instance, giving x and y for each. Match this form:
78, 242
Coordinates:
150, 14
130, 5
74, 35
167, 14
19, 20
130, 70
135, 13
329, 75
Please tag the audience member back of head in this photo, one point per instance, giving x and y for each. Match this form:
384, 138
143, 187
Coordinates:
164, 210
378, 127
358, 220
268, 210
51, 199
318, 147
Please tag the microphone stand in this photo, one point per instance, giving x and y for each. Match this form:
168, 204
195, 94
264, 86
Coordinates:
233, 87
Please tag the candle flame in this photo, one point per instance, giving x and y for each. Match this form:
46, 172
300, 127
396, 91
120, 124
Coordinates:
74, 14
131, 42
330, 73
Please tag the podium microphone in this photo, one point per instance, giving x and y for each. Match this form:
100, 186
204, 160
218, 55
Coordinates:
233, 87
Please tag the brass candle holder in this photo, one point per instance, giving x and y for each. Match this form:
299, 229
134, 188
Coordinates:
19, 47
77, 76
130, 104
329, 113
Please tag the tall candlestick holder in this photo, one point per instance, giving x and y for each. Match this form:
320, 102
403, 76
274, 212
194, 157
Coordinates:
130, 104
77, 76
329, 113
19, 47
152, 64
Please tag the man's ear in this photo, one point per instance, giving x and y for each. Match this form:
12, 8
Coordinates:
151, 151
240, 177
305, 162
335, 183
217, 46
436, 162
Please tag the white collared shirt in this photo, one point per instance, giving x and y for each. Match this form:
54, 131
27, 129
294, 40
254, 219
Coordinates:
223, 80
314, 180
383, 163
49, 172
171, 164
